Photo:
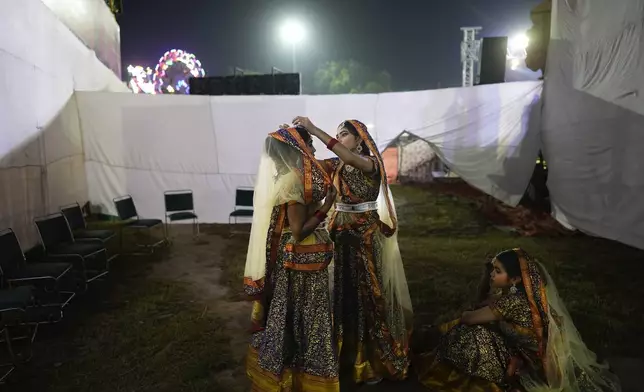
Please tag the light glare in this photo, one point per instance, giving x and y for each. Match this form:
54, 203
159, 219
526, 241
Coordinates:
517, 46
518, 42
292, 32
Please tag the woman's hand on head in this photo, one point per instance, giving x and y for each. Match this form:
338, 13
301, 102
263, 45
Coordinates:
304, 122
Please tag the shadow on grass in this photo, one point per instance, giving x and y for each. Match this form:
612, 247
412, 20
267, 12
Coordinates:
233, 257
132, 333
445, 240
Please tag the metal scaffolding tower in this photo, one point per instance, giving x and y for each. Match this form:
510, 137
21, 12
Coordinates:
470, 50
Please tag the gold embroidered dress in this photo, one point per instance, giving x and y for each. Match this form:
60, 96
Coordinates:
292, 346
476, 357
372, 307
532, 325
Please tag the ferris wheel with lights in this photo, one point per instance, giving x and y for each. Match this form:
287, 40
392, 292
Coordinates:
170, 76
173, 71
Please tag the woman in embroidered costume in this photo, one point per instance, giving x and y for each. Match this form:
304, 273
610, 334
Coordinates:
292, 346
524, 339
372, 307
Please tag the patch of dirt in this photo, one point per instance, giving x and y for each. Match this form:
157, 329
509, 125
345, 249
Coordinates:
526, 222
198, 263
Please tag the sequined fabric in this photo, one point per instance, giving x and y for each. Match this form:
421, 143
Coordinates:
476, 350
369, 333
483, 351
292, 347
298, 334
440, 376
478, 357
357, 187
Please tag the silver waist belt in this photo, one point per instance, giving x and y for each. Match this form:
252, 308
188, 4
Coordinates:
321, 226
362, 207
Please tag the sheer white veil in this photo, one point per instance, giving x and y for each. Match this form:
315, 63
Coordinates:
395, 288
569, 366
283, 166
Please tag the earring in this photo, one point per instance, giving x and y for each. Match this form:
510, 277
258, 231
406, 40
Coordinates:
359, 149
513, 289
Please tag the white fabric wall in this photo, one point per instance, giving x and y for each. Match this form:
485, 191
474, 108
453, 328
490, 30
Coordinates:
41, 161
593, 118
94, 24
143, 145
488, 135
608, 48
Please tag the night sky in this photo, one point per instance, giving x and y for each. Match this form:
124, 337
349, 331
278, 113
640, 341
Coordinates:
416, 41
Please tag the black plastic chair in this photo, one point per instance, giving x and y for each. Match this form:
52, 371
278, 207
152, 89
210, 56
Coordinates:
13, 308
76, 219
89, 257
77, 224
127, 213
243, 205
45, 277
179, 205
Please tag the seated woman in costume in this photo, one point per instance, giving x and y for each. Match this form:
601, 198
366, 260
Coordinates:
286, 273
522, 339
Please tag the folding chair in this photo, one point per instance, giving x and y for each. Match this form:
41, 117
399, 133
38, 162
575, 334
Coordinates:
45, 277
89, 257
127, 213
243, 206
179, 205
13, 307
77, 224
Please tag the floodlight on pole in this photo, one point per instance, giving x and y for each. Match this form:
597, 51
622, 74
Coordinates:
293, 32
517, 46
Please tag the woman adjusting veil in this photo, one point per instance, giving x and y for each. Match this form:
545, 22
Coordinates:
372, 307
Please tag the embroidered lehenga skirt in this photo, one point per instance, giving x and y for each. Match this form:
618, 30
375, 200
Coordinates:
468, 358
296, 351
370, 335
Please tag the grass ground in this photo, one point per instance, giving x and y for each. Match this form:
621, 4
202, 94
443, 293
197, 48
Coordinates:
139, 331
594, 276
153, 327
445, 240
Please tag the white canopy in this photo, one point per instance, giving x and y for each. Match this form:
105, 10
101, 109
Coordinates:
593, 117
144, 145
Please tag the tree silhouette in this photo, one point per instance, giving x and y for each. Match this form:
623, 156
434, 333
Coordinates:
350, 77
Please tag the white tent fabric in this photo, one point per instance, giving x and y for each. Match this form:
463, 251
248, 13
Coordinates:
41, 154
58, 147
143, 145
488, 135
593, 118
416, 159
606, 49
95, 26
